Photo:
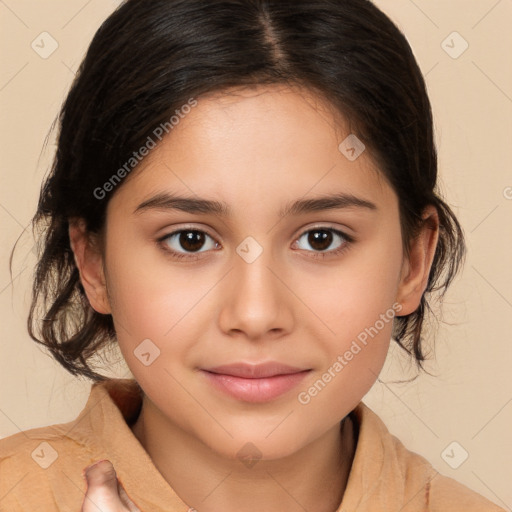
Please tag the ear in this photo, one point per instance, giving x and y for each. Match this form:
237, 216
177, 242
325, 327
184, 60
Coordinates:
89, 262
416, 267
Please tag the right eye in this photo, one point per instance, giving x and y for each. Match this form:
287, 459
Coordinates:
191, 240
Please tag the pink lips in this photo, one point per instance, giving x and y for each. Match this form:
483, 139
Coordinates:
255, 382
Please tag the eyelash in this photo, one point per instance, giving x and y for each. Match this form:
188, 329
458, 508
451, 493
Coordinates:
175, 255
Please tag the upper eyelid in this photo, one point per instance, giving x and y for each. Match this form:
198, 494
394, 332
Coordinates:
301, 232
326, 227
186, 228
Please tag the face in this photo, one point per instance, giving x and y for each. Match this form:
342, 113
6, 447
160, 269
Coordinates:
192, 288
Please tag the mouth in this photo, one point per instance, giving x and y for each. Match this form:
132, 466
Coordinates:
255, 383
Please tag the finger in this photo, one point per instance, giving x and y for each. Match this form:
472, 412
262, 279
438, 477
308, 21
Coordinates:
127, 502
102, 489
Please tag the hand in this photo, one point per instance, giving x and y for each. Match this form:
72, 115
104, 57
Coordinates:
104, 491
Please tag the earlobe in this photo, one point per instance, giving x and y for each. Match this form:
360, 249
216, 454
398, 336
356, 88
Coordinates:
416, 268
89, 262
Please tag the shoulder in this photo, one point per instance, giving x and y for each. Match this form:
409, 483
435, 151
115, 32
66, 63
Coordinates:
36, 465
440, 492
448, 495
405, 478
44, 465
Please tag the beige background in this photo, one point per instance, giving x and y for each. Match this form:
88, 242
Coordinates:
470, 398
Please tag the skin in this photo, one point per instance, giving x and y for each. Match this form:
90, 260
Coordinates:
256, 150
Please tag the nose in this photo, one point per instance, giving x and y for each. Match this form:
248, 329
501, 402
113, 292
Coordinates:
256, 302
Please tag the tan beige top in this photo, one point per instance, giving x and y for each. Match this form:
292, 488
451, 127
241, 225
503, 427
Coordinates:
41, 468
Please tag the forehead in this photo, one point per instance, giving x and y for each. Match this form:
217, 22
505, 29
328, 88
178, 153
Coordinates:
264, 142
264, 106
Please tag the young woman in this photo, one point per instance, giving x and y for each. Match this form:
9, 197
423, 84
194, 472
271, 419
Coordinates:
244, 199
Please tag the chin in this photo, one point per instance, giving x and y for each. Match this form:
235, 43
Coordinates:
256, 444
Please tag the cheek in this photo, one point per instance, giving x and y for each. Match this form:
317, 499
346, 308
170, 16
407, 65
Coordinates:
152, 307
354, 362
350, 296
149, 295
357, 302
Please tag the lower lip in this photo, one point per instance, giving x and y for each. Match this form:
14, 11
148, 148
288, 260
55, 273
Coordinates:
255, 390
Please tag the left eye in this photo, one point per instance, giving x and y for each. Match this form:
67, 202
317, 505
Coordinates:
321, 238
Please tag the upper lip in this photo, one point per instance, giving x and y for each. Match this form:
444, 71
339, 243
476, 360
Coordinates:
255, 371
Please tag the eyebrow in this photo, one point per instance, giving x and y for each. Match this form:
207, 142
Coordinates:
195, 205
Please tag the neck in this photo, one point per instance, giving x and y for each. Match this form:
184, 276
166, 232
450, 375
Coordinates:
314, 478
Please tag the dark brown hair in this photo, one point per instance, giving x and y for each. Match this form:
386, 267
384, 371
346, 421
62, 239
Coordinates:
151, 56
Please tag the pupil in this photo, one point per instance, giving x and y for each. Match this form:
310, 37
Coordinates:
318, 239
191, 240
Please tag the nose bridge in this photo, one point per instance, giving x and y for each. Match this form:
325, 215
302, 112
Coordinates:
254, 302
